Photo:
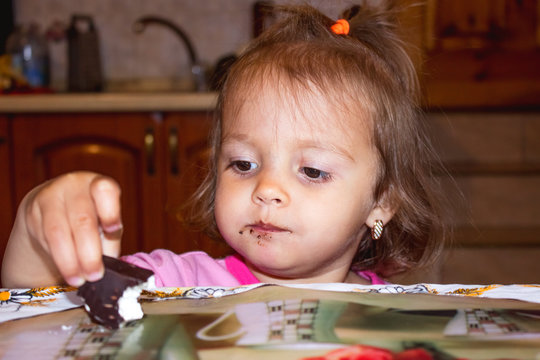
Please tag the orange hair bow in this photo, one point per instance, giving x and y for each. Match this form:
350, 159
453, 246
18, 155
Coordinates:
340, 27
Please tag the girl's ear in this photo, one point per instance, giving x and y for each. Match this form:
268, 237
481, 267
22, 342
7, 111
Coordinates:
380, 212
384, 210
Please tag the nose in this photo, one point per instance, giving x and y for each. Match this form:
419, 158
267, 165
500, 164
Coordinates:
270, 190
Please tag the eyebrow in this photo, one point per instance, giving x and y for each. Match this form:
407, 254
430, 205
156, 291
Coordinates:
334, 148
305, 144
234, 137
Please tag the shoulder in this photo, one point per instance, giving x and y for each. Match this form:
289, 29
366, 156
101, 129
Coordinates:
370, 277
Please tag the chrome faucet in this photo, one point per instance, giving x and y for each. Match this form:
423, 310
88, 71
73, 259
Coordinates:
197, 69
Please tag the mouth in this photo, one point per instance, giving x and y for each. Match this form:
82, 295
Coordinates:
263, 229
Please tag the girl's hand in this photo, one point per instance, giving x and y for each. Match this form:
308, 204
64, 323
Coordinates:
62, 228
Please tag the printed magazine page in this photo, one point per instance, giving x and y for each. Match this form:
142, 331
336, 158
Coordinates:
291, 323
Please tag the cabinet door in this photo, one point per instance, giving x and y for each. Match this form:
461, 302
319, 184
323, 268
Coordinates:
186, 165
122, 146
481, 53
6, 200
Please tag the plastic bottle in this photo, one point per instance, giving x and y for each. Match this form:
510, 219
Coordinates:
29, 52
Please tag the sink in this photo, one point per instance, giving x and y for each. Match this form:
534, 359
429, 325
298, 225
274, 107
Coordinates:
198, 70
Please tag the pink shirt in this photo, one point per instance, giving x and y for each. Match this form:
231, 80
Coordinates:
199, 269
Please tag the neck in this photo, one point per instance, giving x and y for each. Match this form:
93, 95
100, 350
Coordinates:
341, 275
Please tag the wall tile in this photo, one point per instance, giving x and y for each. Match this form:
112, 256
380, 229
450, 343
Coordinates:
531, 145
478, 137
502, 265
500, 201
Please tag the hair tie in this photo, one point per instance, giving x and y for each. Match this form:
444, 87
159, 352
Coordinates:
340, 27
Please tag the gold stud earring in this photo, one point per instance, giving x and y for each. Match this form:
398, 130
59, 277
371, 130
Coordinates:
377, 229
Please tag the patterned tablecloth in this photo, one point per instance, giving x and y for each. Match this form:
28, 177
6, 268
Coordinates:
21, 303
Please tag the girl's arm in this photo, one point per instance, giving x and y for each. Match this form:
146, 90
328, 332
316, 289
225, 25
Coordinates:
56, 235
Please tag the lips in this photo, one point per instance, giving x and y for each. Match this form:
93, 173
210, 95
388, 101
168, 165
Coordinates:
266, 228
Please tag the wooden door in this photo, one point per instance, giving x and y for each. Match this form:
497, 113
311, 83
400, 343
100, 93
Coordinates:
122, 146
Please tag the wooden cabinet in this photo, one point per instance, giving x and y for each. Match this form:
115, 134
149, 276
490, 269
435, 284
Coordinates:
185, 165
6, 199
157, 158
476, 54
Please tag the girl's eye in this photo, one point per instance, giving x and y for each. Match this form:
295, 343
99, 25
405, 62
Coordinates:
243, 166
315, 174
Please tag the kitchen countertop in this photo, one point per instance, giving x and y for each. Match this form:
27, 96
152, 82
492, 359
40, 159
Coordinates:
108, 102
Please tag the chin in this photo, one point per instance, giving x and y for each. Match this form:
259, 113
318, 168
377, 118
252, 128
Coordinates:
279, 269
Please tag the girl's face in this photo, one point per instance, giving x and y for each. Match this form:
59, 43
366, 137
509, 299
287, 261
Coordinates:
295, 187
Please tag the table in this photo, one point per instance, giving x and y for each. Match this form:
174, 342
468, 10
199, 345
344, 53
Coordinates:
284, 322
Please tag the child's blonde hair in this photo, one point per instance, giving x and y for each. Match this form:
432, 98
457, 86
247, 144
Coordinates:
367, 70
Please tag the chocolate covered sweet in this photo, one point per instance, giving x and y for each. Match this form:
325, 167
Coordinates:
113, 300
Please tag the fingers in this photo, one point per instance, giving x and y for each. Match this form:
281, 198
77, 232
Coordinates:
67, 217
110, 242
106, 195
57, 236
84, 225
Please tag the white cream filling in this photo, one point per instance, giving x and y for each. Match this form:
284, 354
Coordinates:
128, 304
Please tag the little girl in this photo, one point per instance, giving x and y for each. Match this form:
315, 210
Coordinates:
317, 140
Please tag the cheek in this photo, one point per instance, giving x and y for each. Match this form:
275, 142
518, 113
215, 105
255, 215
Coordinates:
221, 200
341, 212
221, 212
228, 201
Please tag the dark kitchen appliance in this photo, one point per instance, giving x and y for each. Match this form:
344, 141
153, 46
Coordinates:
84, 59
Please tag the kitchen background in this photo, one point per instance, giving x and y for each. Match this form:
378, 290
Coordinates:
480, 70
216, 28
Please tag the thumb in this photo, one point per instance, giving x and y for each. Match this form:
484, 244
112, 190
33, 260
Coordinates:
110, 242
106, 195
